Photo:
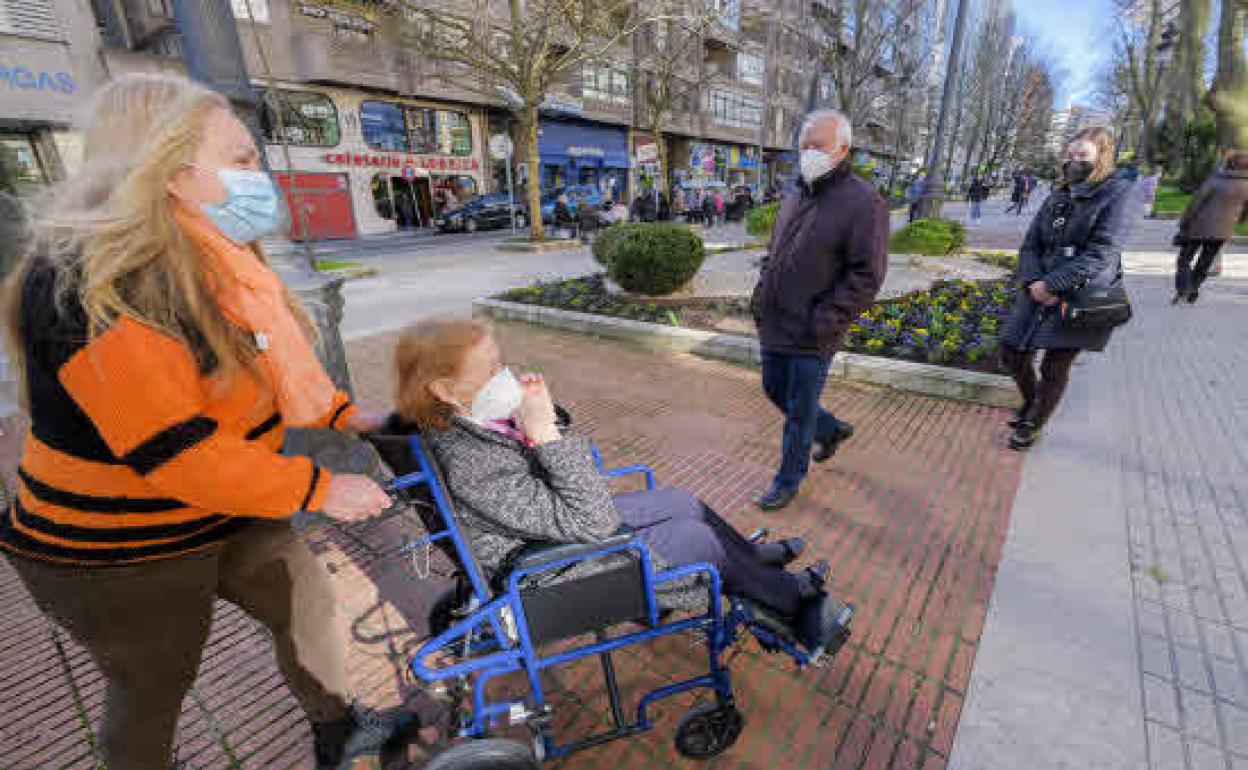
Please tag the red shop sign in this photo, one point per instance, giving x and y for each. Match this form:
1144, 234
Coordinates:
430, 162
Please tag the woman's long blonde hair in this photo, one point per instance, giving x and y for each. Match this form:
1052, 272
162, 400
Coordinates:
109, 230
1106, 162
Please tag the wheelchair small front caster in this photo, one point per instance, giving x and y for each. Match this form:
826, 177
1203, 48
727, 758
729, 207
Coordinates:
708, 730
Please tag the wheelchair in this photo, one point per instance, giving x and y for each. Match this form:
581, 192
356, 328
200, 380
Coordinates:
489, 626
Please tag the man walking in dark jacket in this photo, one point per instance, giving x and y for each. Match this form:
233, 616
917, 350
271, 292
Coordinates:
827, 260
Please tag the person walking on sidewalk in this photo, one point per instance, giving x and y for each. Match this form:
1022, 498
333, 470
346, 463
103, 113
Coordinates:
1219, 205
976, 195
1017, 194
163, 361
827, 260
1075, 239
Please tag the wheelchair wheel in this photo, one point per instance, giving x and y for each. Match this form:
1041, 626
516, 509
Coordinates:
708, 730
485, 754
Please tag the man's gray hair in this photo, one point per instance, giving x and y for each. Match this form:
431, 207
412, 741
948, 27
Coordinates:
844, 131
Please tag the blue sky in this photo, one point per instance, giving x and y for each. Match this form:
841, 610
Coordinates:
1077, 34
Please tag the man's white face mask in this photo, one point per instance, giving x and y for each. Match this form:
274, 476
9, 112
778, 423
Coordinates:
815, 165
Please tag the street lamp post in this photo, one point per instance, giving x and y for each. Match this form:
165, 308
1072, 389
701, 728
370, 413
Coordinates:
934, 190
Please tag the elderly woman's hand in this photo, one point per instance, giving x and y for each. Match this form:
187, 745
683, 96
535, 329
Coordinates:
537, 412
352, 497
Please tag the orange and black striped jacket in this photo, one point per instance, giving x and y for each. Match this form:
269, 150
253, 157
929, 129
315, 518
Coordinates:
136, 452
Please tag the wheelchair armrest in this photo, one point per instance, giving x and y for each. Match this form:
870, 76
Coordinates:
539, 554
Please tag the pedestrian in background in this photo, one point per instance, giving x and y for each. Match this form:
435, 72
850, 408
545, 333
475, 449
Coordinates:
708, 209
721, 207
563, 216
914, 195
1017, 194
1075, 240
826, 262
977, 194
1210, 220
164, 361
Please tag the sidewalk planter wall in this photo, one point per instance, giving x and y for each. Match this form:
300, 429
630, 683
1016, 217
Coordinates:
978, 387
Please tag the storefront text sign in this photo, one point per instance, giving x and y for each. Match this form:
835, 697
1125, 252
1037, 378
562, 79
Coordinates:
429, 162
586, 152
32, 80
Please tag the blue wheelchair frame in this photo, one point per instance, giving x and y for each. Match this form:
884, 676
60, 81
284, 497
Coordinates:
488, 651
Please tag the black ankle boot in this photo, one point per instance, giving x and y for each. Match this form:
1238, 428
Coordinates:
362, 733
1025, 436
1019, 416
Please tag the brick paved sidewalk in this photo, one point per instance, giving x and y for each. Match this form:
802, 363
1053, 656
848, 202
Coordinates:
912, 514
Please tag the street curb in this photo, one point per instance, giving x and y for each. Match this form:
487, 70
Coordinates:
941, 381
542, 247
351, 273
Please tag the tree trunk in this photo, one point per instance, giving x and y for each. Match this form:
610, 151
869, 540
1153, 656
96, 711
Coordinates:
1229, 95
660, 146
1188, 83
528, 127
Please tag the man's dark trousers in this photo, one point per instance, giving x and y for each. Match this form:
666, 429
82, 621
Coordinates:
793, 383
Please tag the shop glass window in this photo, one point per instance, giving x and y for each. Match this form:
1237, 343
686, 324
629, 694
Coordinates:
459, 133
382, 125
381, 196
20, 171
309, 118
422, 131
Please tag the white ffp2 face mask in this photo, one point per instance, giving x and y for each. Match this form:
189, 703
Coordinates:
499, 399
815, 164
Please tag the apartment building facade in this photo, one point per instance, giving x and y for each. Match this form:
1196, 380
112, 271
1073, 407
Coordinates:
366, 138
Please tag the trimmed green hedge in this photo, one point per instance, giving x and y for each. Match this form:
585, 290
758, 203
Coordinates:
933, 237
760, 220
604, 243
654, 258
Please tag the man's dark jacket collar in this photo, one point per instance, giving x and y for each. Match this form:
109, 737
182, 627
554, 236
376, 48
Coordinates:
842, 169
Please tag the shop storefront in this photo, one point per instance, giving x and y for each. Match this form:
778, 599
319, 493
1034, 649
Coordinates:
365, 165
721, 165
39, 93
584, 154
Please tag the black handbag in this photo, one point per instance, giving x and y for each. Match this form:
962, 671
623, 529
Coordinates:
1095, 307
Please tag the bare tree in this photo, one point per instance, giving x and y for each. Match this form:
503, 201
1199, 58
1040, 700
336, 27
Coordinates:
1187, 79
857, 45
520, 49
1140, 28
669, 74
1229, 95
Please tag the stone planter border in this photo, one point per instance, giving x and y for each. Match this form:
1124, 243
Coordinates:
541, 247
351, 273
942, 381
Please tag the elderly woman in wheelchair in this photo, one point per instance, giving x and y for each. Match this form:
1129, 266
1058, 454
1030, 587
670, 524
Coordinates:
555, 554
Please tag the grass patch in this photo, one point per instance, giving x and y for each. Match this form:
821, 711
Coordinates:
336, 264
1158, 574
1171, 200
1006, 258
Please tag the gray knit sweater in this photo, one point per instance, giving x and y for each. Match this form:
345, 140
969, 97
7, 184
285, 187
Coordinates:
507, 494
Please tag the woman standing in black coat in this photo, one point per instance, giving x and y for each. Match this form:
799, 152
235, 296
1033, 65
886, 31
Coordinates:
1074, 240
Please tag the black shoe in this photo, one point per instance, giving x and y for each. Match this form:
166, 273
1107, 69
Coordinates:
822, 625
776, 497
363, 733
1192, 296
825, 448
780, 553
1025, 436
1177, 298
1019, 416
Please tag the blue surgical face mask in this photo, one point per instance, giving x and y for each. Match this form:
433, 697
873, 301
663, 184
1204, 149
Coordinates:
249, 211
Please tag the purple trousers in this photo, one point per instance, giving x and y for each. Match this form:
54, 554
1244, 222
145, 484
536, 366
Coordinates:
681, 529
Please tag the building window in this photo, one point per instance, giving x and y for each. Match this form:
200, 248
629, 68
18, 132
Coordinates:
251, 10
438, 132
751, 67
308, 118
735, 110
29, 18
382, 126
606, 83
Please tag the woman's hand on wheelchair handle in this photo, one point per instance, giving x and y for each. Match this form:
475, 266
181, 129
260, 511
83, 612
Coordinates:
352, 497
537, 412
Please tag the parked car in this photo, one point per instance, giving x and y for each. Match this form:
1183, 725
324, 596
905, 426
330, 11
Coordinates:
575, 193
484, 212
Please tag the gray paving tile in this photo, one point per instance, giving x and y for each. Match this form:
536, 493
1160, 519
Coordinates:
1165, 748
1198, 715
1155, 656
1192, 669
1161, 701
1219, 640
1236, 721
1205, 757
1229, 682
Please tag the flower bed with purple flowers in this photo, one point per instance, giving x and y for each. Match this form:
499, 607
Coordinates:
954, 323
